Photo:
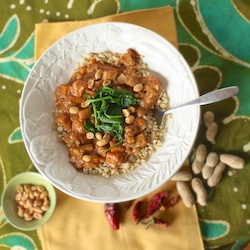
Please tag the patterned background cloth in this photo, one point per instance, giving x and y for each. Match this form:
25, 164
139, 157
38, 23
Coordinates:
213, 37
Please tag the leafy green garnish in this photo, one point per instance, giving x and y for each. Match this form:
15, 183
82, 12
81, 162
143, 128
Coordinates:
89, 126
107, 107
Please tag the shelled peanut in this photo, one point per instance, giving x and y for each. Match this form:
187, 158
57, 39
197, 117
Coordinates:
200, 156
215, 178
232, 161
32, 201
200, 191
207, 167
211, 161
212, 131
212, 126
185, 193
182, 176
208, 118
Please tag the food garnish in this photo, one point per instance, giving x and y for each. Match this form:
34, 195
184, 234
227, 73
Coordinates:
107, 105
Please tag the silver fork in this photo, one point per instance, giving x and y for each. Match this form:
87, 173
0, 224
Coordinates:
211, 97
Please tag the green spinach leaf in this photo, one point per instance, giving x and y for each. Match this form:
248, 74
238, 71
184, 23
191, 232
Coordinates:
107, 106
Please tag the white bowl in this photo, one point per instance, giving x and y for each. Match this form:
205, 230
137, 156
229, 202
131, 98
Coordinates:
56, 66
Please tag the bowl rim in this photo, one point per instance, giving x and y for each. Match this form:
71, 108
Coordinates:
51, 191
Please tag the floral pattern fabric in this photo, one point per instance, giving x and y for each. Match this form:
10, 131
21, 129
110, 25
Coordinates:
213, 37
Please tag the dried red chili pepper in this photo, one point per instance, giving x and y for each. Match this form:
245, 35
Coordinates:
157, 221
155, 203
112, 212
170, 203
136, 211
160, 222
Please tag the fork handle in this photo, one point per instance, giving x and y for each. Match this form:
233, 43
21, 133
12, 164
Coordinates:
211, 97
216, 95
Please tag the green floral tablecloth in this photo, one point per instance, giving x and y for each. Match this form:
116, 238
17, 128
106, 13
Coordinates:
214, 38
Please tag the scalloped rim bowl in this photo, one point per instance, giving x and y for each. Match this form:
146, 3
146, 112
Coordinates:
57, 65
10, 207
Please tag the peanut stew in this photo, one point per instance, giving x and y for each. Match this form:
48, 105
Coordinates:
101, 113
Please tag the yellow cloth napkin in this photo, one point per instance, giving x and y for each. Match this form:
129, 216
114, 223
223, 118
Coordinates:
160, 20
82, 225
